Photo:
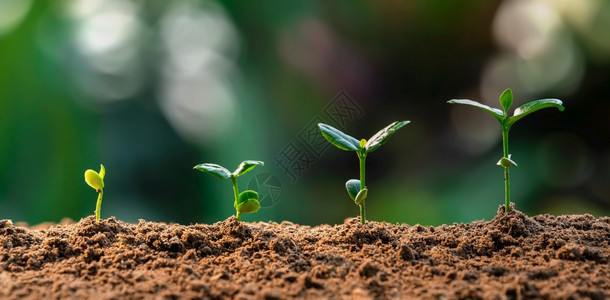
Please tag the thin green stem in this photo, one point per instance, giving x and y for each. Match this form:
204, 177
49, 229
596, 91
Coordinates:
98, 206
236, 192
506, 173
362, 159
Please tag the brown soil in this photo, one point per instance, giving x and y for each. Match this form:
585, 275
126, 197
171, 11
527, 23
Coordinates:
510, 257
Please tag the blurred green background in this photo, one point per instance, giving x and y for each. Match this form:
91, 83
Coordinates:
151, 88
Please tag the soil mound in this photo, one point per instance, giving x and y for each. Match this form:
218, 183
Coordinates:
512, 256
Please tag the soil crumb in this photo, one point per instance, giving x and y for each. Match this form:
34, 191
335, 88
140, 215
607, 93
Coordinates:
512, 256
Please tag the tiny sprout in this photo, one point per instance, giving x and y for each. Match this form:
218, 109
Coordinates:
96, 181
356, 188
6, 223
245, 202
506, 100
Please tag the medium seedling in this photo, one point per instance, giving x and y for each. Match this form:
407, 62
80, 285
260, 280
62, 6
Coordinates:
96, 181
506, 100
357, 189
245, 202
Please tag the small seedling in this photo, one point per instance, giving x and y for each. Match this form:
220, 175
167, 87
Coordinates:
245, 202
96, 181
506, 100
356, 188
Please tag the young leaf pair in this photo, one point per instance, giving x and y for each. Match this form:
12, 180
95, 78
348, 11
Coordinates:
245, 202
506, 100
357, 189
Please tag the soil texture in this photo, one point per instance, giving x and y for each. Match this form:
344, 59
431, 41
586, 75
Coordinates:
512, 256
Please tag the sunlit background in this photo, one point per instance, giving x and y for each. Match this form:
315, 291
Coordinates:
152, 88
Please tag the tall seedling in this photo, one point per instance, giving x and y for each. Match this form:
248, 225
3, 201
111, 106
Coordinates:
506, 100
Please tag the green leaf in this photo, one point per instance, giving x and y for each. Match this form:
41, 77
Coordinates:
506, 99
247, 166
338, 138
493, 111
214, 170
383, 135
533, 106
94, 180
361, 196
506, 162
248, 202
353, 188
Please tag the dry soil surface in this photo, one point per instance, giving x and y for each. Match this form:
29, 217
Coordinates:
512, 256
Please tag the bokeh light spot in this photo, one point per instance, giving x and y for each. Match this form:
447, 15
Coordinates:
12, 12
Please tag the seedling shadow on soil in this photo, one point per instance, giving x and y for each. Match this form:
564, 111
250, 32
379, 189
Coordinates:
511, 256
